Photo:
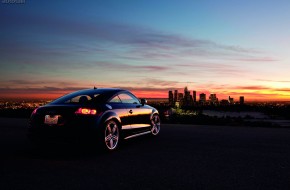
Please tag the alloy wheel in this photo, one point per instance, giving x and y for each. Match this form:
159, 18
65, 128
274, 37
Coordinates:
155, 121
111, 135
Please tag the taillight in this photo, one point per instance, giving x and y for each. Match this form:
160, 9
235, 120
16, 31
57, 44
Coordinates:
86, 111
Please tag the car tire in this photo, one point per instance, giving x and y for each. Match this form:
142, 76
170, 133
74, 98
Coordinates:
155, 125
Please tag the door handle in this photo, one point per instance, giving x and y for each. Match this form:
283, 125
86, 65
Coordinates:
130, 111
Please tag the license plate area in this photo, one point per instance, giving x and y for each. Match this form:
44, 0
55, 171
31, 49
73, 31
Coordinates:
51, 119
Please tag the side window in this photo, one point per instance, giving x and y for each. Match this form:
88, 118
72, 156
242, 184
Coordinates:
126, 98
79, 99
116, 99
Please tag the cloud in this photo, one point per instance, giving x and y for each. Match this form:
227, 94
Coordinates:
158, 82
258, 59
59, 37
154, 83
127, 67
283, 90
14, 84
281, 81
214, 69
257, 87
39, 90
78, 46
50, 92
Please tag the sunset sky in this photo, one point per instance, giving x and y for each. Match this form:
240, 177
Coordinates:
227, 47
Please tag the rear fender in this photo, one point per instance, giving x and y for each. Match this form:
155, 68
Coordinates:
108, 116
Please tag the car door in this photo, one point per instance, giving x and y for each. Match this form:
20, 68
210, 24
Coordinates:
121, 110
138, 114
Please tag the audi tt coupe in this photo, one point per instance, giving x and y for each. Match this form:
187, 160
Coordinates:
100, 115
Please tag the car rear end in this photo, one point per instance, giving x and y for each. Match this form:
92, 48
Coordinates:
61, 123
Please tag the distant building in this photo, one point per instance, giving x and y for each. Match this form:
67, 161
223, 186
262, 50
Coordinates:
180, 97
194, 96
186, 98
213, 99
202, 98
170, 98
242, 100
231, 100
177, 99
224, 102
191, 100
175, 95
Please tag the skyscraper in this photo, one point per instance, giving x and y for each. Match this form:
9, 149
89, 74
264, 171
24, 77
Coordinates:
212, 98
194, 96
175, 95
242, 99
231, 100
180, 97
170, 98
186, 98
202, 98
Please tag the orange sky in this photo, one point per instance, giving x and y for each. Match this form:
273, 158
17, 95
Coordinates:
250, 95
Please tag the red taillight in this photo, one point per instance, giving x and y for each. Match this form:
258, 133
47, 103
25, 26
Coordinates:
86, 111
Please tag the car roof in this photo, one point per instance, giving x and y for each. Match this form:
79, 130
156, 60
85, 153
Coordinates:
101, 90
105, 93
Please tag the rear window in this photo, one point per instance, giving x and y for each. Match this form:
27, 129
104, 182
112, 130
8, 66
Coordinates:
77, 98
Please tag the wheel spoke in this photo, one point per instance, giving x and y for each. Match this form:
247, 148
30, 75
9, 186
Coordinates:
111, 143
114, 129
115, 138
107, 138
109, 128
154, 129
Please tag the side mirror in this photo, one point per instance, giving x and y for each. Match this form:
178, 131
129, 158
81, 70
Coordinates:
143, 102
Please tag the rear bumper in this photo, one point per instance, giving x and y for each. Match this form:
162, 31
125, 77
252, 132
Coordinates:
74, 132
66, 136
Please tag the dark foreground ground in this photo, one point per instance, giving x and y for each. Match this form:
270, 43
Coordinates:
182, 157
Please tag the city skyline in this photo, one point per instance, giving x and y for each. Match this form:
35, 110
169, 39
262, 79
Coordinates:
235, 48
176, 98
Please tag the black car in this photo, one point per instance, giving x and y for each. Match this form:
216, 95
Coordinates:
100, 115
